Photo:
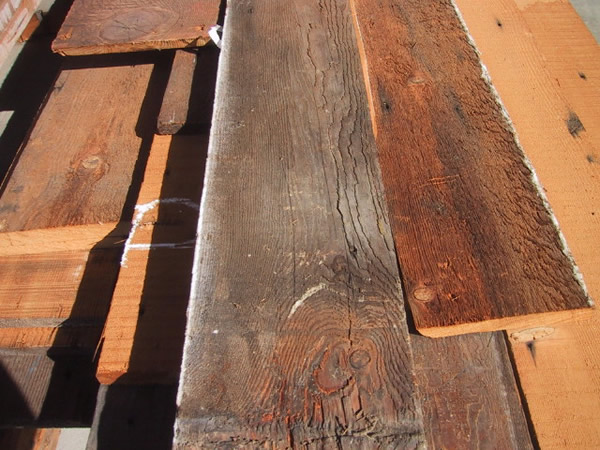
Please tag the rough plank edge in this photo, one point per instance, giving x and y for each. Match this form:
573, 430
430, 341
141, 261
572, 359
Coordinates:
511, 323
66, 50
76, 237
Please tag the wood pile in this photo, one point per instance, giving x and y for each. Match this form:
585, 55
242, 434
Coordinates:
380, 230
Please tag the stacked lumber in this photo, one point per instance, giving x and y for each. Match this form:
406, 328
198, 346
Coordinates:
296, 330
61, 220
361, 192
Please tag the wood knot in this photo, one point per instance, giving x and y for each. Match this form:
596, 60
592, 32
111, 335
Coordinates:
424, 294
339, 264
91, 163
332, 374
531, 334
359, 359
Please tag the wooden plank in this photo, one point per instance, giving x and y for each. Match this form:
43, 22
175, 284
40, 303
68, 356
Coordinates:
296, 329
67, 338
83, 176
38, 390
14, 18
154, 281
545, 65
48, 285
478, 248
113, 26
48, 240
188, 100
468, 388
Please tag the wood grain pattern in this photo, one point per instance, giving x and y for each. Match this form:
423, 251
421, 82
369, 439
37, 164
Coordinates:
44, 286
545, 64
48, 240
296, 329
468, 388
112, 26
143, 336
187, 104
477, 247
81, 176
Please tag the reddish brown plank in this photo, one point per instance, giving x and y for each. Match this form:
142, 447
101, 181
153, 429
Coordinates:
296, 329
77, 166
478, 248
111, 26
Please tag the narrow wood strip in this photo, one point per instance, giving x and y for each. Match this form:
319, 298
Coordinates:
75, 238
69, 338
479, 251
188, 100
296, 329
154, 281
113, 26
546, 65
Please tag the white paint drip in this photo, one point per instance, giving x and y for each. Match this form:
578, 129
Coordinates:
140, 212
485, 75
309, 293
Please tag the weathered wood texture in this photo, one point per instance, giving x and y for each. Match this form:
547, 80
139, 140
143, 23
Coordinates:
14, 18
37, 389
153, 288
112, 26
188, 100
477, 247
469, 393
296, 331
77, 165
546, 67
77, 182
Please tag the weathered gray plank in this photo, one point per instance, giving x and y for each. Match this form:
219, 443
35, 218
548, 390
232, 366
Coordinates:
296, 329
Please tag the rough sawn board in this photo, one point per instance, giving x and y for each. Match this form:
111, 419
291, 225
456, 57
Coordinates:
111, 26
478, 249
296, 328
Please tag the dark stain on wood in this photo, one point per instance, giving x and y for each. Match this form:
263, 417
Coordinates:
574, 124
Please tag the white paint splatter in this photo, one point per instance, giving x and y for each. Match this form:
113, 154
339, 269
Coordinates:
140, 212
533, 175
309, 293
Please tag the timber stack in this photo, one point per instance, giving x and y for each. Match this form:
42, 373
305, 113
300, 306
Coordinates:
304, 224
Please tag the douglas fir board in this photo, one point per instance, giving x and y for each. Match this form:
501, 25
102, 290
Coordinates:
296, 329
112, 26
478, 247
